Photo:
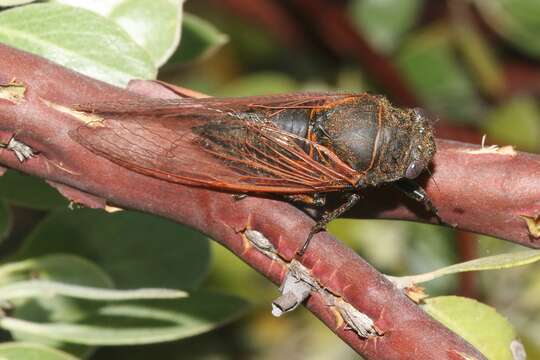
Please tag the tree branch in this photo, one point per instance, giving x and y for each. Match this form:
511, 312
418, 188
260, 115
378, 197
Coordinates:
487, 190
480, 192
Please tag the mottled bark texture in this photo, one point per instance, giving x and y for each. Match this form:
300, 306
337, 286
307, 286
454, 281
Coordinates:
484, 192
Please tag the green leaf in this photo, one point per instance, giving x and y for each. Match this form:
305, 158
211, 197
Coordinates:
101, 7
532, 348
385, 22
31, 351
78, 39
430, 64
135, 249
351, 79
259, 84
7, 3
60, 268
496, 262
29, 191
67, 269
200, 39
36, 288
515, 20
477, 323
516, 123
138, 322
478, 55
56, 267
6, 220
154, 25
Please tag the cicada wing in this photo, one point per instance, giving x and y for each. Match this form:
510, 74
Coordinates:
213, 106
216, 149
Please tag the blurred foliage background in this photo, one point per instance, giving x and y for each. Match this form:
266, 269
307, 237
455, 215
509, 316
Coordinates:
474, 64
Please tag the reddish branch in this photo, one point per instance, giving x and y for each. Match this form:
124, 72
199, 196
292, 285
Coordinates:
522, 78
481, 192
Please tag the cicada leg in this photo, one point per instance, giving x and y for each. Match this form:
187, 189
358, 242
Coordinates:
315, 200
328, 216
416, 192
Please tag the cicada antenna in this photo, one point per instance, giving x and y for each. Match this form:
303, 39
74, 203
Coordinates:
433, 178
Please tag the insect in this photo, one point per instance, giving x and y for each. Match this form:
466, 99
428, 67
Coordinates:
302, 146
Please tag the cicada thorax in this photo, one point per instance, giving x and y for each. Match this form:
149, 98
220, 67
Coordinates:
351, 131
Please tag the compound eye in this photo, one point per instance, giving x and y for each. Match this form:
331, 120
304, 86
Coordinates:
414, 170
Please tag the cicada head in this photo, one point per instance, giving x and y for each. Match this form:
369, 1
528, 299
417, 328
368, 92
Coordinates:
422, 144
405, 146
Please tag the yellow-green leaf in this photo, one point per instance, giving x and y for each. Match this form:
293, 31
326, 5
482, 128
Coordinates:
496, 262
477, 323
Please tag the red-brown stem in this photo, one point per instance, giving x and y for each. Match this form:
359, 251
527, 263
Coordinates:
484, 192
467, 246
522, 78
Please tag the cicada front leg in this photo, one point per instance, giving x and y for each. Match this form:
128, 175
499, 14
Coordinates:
351, 199
416, 192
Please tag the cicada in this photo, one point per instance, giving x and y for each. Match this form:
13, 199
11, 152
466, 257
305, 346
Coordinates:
301, 146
